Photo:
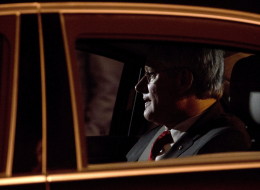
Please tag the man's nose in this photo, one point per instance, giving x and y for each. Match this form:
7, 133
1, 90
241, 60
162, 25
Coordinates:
141, 86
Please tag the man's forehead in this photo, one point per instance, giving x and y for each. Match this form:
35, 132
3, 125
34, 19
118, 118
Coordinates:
153, 66
166, 56
152, 63
158, 63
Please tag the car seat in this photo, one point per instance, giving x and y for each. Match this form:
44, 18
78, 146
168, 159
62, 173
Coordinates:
245, 95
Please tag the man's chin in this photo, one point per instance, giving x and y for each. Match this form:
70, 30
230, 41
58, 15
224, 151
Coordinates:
149, 116
152, 117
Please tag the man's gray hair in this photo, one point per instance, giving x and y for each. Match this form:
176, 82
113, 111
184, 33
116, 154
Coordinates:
206, 65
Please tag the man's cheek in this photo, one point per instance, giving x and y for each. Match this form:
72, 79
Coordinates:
153, 92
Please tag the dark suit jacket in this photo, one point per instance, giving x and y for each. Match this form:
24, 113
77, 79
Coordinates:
215, 131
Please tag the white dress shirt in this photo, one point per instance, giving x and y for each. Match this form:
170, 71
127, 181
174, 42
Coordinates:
177, 132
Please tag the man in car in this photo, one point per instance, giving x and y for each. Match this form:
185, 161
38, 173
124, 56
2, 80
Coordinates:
181, 90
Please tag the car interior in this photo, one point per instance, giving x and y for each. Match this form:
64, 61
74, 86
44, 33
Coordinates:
245, 95
127, 122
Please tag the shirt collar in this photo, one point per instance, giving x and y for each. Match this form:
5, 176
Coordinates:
185, 125
182, 127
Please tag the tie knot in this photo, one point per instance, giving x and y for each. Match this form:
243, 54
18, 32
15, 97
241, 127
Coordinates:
159, 144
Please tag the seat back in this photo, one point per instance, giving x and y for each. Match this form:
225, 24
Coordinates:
245, 95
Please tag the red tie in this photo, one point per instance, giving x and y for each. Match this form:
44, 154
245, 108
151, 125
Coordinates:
160, 142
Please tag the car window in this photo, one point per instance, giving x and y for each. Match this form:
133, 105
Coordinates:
130, 58
100, 34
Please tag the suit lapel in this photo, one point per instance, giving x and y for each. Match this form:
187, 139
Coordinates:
139, 148
194, 132
181, 146
146, 153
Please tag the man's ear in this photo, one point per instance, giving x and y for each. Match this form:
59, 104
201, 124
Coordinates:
186, 81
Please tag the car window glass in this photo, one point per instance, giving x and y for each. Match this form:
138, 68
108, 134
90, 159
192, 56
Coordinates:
100, 77
130, 61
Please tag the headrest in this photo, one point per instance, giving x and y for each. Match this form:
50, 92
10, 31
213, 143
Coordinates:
245, 90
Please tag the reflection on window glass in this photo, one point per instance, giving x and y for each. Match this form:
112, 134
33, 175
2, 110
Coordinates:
100, 77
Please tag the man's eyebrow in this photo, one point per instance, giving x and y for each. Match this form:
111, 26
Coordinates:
148, 69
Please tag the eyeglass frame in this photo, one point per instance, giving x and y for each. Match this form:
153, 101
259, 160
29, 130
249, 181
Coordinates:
149, 74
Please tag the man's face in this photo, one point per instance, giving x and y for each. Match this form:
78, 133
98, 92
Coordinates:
160, 94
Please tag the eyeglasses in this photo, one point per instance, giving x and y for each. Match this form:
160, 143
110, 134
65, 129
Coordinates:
150, 76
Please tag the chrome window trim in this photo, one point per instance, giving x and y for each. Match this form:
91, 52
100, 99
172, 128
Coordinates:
202, 163
78, 136
19, 8
44, 97
22, 180
14, 101
132, 8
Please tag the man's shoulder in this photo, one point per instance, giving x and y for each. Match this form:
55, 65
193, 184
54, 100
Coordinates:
228, 119
216, 117
233, 135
